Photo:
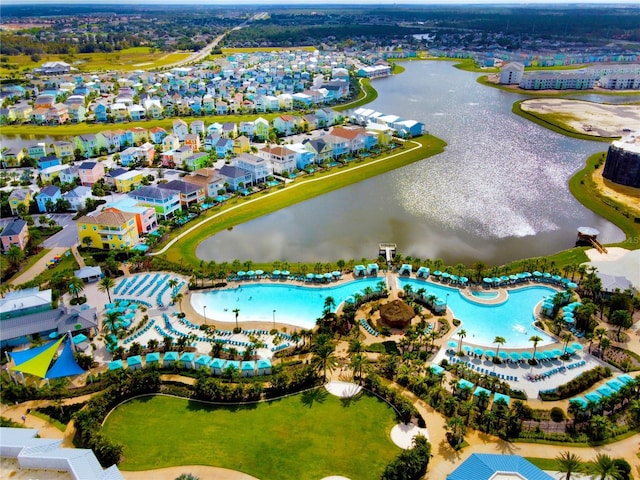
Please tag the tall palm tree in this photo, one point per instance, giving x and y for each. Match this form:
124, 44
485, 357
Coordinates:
177, 298
236, 311
76, 287
535, 339
605, 467
105, 285
172, 283
500, 341
461, 334
324, 356
358, 362
569, 463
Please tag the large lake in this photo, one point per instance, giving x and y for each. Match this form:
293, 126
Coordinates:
498, 193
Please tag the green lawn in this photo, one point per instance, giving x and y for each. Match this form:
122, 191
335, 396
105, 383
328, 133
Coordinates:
239, 211
306, 436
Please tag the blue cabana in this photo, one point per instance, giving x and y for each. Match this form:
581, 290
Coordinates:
115, 365
437, 369
203, 361
605, 391
405, 269
248, 369
501, 396
372, 269
232, 364
614, 385
593, 397
217, 365
169, 358
626, 379
479, 390
359, 270
151, 358
423, 272
485, 466
134, 362
464, 384
582, 403
264, 366
187, 359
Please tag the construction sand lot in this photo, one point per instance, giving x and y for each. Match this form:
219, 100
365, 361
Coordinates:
599, 120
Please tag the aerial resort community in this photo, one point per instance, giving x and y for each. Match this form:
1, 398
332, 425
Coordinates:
270, 243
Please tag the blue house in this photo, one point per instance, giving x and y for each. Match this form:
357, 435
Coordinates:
48, 193
223, 147
236, 177
101, 112
48, 161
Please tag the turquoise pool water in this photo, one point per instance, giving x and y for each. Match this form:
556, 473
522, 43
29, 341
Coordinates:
485, 295
294, 304
512, 319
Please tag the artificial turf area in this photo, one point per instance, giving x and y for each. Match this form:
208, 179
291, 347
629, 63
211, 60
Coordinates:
306, 436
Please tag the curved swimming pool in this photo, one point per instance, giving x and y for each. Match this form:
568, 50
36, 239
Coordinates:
293, 304
512, 319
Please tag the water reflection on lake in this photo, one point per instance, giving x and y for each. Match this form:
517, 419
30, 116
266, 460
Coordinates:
497, 193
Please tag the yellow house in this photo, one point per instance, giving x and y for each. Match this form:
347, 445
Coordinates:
128, 180
241, 145
20, 196
108, 230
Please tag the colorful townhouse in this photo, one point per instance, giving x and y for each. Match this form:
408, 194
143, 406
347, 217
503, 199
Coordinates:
69, 174
12, 157
37, 150
108, 230
127, 181
165, 202
190, 193
63, 150
196, 161
78, 197
146, 220
47, 198
281, 159
15, 233
48, 174
180, 129
20, 196
235, 178
90, 173
208, 179
192, 140
87, 144
156, 135
48, 161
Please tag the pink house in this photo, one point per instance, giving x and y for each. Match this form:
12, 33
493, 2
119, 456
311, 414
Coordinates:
15, 233
90, 173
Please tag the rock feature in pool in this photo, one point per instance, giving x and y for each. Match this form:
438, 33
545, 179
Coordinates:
396, 314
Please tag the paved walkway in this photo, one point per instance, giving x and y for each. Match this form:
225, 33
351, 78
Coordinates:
38, 267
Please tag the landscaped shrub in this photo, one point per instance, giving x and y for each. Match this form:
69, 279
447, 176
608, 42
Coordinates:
63, 413
577, 385
623, 468
411, 464
557, 414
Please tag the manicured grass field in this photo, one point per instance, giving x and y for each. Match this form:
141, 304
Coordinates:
306, 436
143, 58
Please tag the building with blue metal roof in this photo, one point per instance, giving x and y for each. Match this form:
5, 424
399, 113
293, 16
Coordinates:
489, 466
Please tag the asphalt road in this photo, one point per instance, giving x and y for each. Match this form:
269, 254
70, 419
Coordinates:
67, 237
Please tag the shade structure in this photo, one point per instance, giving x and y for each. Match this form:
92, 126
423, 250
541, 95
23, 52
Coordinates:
593, 397
187, 357
546, 275
569, 350
556, 352
503, 355
572, 285
490, 353
605, 391
615, 385
284, 272
526, 274
65, 365
53, 335
115, 365
580, 401
203, 361
577, 346
24, 355
134, 361
537, 274
445, 275
336, 273
251, 273
437, 369
170, 357
39, 364
480, 390
501, 396
311, 276
527, 355
466, 348
437, 273
328, 276
556, 278
275, 273
153, 357
539, 355
496, 280
515, 356
504, 278
463, 279
452, 343
241, 273
454, 278
569, 319
513, 277
462, 383
478, 351
487, 280
625, 378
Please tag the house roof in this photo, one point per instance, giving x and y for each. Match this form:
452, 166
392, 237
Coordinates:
14, 227
87, 272
230, 171
57, 319
484, 466
349, 133
153, 192
181, 186
20, 194
111, 218
79, 192
49, 191
88, 165
25, 298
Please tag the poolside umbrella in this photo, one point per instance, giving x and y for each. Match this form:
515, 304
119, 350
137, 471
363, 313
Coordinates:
526, 274
513, 277
577, 346
259, 272
437, 273
490, 353
241, 273
454, 278
556, 278
537, 274
503, 355
478, 351
251, 273
572, 285
569, 350
452, 343
319, 276
496, 279
336, 273
546, 275
285, 273
466, 348
569, 319
275, 273
504, 278
557, 352
464, 279
445, 275
328, 276
539, 355
527, 355
515, 356
549, 354
311, 275
487, 280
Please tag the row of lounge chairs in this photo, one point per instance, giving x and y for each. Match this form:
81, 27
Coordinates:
138, 334
482, 370
368, 328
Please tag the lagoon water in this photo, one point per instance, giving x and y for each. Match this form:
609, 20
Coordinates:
498, 193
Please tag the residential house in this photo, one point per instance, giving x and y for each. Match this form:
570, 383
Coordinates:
12, 157
164, 201
190, 193
136, 136
48, 161
47, 198
137, 112
319, 148
241, 144
153, 108
23, 113
128, 156
358, 138
77, 197
180, 129
109, 140
119, 112
69, 174
326, 117
19, 196
146, 153
286, 124
127, 181
77, 112
192, 140
108, 230
303, 157
311, 122
258, 167
179, 154
281, 159
339, 145
197, 127
48, 174
7, 115
109, 178
229, 130
101, 112
90, 173
170, 142
63, 150
15, 233
87, 144
37, 150
146, 219
58, 114
208, 179
156, 135
196, 161
235, 177
224, 147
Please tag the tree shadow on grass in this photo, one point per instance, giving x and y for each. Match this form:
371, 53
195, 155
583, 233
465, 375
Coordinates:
347, 401
309, 397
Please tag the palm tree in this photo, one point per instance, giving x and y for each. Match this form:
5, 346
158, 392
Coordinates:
105, 285
500, 341
461, 334
569, 463
109, 322
236, 311
177, 298
329, 305
14, 255
535, 339
172, 283
605, 467
566, 338
358, 362
479, 267
324, 356
76, 287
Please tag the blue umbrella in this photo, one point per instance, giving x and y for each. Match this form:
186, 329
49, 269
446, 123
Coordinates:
445, 275
466, 348
527, 355
285, 272
515, 356
487, 280
437, 273
478, 351
569, 350
452, 344
503, 355
464, 279
490, 353
537, 274
577, 346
